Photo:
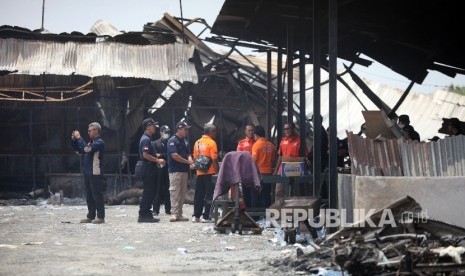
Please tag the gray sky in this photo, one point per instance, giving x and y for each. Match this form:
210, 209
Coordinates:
125, 15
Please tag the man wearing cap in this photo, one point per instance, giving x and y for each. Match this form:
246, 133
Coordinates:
148, 154
179, 163
205, 187
409, 131
163, 193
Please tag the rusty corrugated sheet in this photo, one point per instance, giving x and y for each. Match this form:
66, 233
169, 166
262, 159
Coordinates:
399, 157
157, 62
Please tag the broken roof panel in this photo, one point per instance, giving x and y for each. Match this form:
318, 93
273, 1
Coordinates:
409, 37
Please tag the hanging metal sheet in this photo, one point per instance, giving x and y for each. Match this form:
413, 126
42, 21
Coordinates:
157, 62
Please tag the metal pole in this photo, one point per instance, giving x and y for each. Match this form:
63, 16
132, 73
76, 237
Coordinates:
43, 15
332, 193
268, 94
316, 99
34, 185
290, 74
302, 104
279, 100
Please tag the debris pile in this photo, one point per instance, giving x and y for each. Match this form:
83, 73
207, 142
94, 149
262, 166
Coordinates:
413, 245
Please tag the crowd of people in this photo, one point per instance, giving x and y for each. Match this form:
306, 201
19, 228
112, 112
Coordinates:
168, 161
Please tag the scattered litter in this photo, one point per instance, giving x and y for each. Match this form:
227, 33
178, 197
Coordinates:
8, 215
223, 245
129, 248
66, 222
121, 215
325, 272
57, 243
182, 250
451, 251
192, 240
261, 222
56, 199
42, 202
90, 226
208, 230
305, 249
32, 243
230, 247
278, 239
10, 246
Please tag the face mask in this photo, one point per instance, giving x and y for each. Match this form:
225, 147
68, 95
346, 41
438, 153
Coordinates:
401, 126
166, 136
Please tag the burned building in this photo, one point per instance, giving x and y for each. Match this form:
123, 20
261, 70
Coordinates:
52, 84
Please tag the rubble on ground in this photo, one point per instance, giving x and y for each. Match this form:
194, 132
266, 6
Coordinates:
416, 245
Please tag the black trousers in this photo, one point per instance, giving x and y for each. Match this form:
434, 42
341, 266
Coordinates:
94, 196
251, 197
163, 193
203, 197
265, 196
150, 182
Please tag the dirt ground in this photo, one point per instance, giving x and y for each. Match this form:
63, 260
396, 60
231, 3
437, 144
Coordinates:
44, 239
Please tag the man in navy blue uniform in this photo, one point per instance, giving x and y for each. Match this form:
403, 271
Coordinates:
93, 171
148, 154
179, 163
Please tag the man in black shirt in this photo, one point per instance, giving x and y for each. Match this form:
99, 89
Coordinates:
162, 194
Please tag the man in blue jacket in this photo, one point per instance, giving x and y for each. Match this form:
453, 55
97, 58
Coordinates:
93, 171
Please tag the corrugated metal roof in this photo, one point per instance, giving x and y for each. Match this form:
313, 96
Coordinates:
157, 62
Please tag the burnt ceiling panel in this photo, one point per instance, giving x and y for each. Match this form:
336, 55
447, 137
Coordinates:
407, 36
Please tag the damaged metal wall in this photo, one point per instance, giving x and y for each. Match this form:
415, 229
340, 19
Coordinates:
399, 157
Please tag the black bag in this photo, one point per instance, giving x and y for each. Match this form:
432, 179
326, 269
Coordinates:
202, 163
139, 169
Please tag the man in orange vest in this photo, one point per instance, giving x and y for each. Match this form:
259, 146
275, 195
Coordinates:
204, 187
288, 147
264, 155
246, 144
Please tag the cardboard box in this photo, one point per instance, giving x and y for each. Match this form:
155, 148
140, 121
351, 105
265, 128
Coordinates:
292, 169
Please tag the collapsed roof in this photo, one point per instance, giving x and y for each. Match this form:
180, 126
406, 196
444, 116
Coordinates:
410, 37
